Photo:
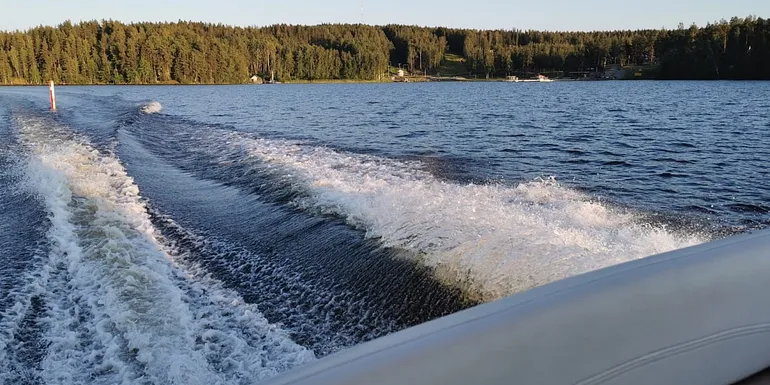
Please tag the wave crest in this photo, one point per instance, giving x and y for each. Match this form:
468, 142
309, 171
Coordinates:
492, 240
152, 108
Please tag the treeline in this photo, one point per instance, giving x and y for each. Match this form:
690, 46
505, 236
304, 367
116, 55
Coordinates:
110, 52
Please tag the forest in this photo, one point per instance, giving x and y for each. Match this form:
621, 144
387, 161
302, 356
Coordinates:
110, 52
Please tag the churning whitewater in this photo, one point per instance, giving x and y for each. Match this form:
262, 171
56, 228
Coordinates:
119, 306
491, 240
497, 240
171, 235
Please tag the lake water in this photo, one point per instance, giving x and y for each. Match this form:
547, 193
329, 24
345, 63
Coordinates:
225, 234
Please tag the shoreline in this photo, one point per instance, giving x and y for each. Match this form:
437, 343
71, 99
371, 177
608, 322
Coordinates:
341, 81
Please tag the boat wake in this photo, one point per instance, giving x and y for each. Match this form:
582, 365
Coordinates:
328, 287
118, 305
490, 240
494, 239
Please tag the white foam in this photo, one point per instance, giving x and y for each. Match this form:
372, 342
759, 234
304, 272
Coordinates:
12, 318
32, 284
494, 240
120, 310
152, 107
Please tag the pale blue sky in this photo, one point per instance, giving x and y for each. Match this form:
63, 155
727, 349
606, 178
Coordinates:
483, 14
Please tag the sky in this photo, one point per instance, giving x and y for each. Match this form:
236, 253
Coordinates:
573, 15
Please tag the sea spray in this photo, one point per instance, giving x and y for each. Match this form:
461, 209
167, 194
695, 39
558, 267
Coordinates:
152, 108
495, 240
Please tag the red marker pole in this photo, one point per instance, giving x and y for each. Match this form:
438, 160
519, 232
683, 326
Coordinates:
53, 96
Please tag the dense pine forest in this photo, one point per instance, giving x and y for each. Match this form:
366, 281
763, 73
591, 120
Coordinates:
110, 52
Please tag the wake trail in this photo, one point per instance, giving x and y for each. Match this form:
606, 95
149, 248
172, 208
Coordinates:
22, 267
326, 285
495, 239
491, 240
120, 306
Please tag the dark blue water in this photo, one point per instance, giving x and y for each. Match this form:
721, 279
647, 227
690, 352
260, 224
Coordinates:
283, 223
664, 146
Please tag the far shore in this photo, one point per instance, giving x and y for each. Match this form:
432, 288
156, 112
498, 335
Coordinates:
336, 81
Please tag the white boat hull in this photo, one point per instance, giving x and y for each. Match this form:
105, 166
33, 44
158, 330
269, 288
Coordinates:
695, 316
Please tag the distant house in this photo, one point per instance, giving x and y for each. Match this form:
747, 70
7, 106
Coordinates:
400, 77
256, 80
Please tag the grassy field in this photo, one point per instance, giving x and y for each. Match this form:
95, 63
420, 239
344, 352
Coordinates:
452, 65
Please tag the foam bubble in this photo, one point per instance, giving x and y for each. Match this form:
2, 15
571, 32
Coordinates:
493, 240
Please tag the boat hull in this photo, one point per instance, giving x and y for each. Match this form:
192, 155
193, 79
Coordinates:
700, 315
